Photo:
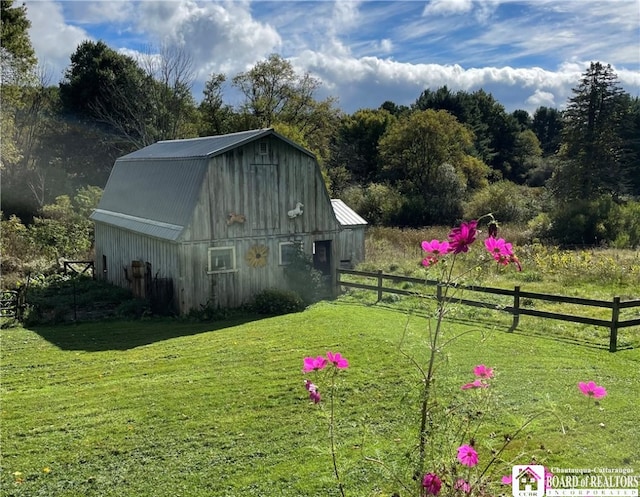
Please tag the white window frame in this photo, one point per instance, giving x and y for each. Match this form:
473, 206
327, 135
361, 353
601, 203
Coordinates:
227, 251
280, 246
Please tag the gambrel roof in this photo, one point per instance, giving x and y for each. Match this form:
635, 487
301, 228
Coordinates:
208, 146
154, 190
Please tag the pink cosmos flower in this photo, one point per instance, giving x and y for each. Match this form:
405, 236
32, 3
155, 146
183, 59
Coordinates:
337, 360
314, 394
463, 485
482, 371
507, 480
516, 261
499, 249
475, 384
467, 456
313, 363
432, 484
434, 249
460, 238
592, 390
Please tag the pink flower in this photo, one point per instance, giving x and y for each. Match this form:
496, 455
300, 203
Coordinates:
482, 371
502, 252
507, 480
314, 363
460, 238
432, 484
592, 390
435, 249
516, 261
499, 249
314, 394
337, 360
463, 485
475, 384
467, 456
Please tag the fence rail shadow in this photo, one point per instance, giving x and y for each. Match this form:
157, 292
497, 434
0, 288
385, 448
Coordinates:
614, 324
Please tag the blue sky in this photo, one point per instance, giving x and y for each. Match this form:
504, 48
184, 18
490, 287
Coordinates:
526, 53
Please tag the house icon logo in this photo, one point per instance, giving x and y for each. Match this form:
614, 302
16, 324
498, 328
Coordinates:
527, 481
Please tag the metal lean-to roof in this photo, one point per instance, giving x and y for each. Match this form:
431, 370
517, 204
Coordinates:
154, 190
346, 215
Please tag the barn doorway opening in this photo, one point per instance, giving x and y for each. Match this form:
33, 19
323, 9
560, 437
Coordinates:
322, 263
322, 256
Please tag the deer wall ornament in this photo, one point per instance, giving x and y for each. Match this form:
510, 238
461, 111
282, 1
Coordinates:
293, 213
235, 218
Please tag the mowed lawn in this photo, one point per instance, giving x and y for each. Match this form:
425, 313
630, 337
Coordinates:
171, 408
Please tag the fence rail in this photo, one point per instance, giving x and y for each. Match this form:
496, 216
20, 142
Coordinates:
516, 310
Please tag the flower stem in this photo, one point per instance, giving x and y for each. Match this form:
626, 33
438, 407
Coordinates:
332, 432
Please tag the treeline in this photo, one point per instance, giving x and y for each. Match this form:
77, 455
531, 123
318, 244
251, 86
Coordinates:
572, 175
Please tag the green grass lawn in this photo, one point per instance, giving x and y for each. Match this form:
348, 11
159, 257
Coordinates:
170, 408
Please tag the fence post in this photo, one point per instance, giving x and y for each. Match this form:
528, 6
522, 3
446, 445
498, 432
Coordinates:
379, 285
615, 315
439, 293
516, 308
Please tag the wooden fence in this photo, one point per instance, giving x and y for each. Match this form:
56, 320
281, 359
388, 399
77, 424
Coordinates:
615, 305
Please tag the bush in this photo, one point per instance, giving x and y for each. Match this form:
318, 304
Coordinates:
507, 201
302, 278
274, 302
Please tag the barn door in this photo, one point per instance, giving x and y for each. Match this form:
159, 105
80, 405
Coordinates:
322, 256
322, 262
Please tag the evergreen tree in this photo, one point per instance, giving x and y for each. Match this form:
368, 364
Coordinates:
592, 145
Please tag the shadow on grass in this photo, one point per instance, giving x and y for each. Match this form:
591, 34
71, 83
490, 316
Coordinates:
487, 323
124, 335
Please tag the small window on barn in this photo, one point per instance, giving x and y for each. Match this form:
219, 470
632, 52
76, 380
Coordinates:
222, 259
263, 148
288, 252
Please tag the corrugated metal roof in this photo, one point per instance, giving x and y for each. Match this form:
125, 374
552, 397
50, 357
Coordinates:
207, 146
145, 226
156, 192
346, 215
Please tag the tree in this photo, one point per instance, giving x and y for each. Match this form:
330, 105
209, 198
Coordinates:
170, 107
592, 145
216, 116
17, 53
494, 130
423, 154
354, 146
275, 93
630, 134
547, 125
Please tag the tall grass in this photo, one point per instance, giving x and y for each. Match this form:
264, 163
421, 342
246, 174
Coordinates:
595, 272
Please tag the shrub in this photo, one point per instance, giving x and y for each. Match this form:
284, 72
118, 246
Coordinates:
302, 278
505, 200
585, 222
275, 301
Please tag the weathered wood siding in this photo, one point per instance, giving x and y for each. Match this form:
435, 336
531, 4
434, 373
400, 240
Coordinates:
263, 187
120, 247
352, 250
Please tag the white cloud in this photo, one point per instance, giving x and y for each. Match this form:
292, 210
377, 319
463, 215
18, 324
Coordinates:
52, 38
448, 7
220, 37
541, 98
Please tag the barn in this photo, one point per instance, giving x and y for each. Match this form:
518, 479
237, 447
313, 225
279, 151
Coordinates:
215, 220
